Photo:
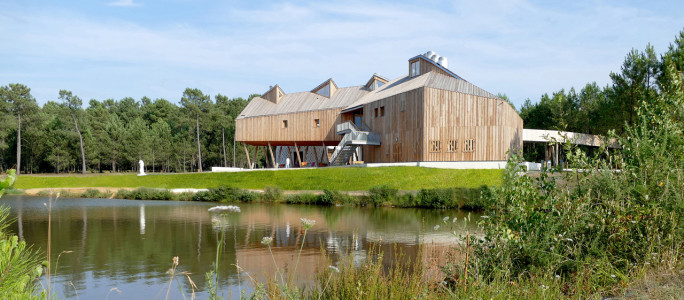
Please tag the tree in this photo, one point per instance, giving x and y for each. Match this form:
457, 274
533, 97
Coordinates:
21, 103
196, 105
635, 82
73, 105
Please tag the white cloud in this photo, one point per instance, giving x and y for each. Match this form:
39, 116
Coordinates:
124, 3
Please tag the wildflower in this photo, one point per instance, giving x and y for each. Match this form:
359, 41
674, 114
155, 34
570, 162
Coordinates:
225, 209
612, 276
334, 269
307, 223
175, 260
436, 227
454, 220
633, 222
266, 241
557, 276
569, 240
660, 183
544, 287
445, 219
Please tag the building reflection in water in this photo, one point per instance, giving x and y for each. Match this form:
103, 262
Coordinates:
129, 244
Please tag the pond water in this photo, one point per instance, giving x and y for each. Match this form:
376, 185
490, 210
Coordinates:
105, 245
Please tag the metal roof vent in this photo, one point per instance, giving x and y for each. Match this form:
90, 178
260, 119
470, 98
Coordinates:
443, 62
429, 53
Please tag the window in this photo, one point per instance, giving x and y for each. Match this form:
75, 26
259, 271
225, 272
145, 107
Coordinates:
452, 145
317, 122
382, 111
375, 84
415, 68
469, 146
284, 123
324, 91
435, 146
376, 112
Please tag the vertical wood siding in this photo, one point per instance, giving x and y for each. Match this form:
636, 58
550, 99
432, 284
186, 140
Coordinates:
300, 129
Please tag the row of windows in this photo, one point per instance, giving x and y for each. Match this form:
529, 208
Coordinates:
451, 146
316, 123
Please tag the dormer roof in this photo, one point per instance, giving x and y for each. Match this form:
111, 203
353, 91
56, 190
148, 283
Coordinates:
274, 94
376, 81
326, 89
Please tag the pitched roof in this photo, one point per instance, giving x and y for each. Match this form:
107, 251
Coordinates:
430, 79
303, 101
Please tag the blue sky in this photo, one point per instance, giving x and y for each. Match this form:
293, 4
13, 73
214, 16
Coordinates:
102, 49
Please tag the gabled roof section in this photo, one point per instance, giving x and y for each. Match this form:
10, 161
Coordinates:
326, 89
433, 65
303, 101
274, 94
375, 77
430, 79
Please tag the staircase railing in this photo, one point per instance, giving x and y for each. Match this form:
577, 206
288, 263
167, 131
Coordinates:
353, 136
343, 143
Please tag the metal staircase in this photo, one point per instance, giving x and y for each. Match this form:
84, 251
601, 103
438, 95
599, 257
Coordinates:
353, 138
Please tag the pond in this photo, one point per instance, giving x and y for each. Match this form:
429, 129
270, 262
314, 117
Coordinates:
123, 248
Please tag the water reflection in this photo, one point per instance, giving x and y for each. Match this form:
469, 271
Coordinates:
129, 244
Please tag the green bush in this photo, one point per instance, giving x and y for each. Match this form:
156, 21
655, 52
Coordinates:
622, 213
19, 263
381, 195
306, 198
272, 195
145, 194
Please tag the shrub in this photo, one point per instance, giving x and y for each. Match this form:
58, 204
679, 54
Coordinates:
20, 264
380, 195
272, 194
145, 194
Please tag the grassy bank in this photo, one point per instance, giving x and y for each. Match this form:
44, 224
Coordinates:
339, 179
466, 198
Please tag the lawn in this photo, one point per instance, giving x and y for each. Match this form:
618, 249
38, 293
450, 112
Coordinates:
341, 179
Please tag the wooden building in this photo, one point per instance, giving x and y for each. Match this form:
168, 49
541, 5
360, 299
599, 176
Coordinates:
429, 115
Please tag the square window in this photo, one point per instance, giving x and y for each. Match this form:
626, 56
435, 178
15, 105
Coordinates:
452, 145
317, 123
435, 146
469, 146
382, 111
284, 123
376, 112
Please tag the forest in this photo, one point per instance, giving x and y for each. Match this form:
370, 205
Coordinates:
197, 131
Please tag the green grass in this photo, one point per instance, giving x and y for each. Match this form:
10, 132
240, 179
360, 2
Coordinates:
341, 179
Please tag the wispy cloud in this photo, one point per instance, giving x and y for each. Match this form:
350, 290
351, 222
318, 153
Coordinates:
520, 48
124, 3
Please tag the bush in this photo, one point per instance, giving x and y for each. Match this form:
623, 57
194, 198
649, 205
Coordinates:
380, 195
272, 195
610, 224
145, 194
20, 264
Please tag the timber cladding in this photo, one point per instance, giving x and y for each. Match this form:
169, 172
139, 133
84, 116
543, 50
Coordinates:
468, 127
428, 124
301, 128
400, 127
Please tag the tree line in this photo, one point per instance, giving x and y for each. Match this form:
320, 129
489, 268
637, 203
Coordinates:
643, 76
112, 135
